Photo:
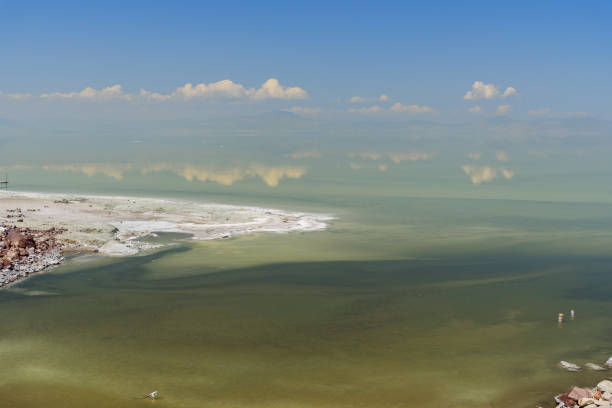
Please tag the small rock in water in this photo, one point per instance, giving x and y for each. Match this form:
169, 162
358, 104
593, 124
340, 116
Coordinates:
595, 367
569, 366
154, 395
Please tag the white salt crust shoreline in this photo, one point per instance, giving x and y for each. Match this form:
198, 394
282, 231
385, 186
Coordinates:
113, 225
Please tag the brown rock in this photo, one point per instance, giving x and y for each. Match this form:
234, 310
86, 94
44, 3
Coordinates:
12, 254
18, 240
576, 393
567, 400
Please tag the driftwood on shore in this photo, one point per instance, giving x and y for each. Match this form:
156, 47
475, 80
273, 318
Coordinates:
24, 251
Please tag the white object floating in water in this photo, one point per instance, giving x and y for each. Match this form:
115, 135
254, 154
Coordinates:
154, 395
609, 362
595, 367
569, 366
572, 313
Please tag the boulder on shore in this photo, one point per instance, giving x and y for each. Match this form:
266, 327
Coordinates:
16, 239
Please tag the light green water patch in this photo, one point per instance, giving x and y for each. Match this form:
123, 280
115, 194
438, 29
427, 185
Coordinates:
243, 251
415, 229
449, 332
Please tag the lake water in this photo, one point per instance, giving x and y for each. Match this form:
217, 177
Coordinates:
403, 301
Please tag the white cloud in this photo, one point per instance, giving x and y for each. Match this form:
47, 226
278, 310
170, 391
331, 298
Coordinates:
220, 89
508, 92
272, 89
299, 110
396, 108
479, 174
399, 108
15, 96
147, 96
508, 174
89, 93
361, 99
474, 155
368, 110
480, 90
225, 89
475, 109
503, 109
539, 112
358, 99
502, 156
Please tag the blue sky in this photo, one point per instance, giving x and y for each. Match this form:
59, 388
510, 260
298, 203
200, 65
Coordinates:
557, 55
508, 99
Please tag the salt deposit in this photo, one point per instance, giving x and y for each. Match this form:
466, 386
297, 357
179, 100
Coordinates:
114, 226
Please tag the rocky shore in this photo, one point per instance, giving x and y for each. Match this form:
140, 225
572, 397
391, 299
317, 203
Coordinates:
24, 251
599, 396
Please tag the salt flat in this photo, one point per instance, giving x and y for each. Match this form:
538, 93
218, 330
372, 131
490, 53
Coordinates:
112, 225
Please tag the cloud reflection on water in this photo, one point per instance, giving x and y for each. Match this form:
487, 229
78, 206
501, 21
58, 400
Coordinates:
270, 175
115, 171
395, 157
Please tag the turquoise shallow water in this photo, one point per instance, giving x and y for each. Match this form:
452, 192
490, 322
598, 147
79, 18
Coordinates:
401, 302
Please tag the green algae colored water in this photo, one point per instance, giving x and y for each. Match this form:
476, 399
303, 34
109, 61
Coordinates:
401, 302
